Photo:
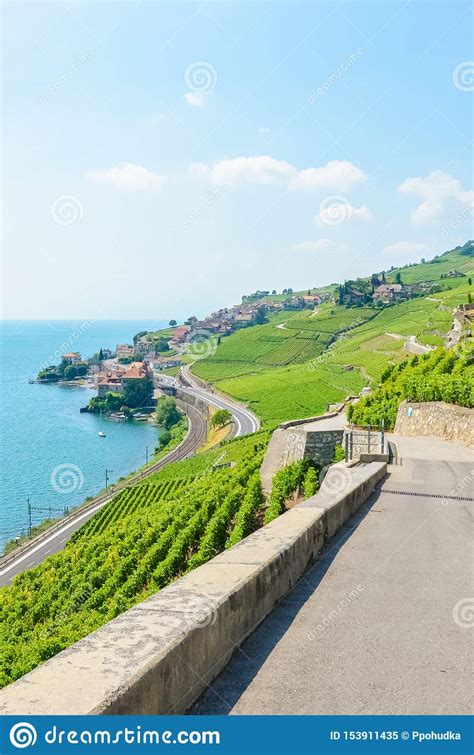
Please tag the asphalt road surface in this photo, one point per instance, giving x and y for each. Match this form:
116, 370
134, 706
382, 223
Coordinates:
244, 420
381, 623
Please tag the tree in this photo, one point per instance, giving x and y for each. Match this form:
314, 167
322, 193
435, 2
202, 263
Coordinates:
469, 281
81, 369
162, 345
163, 440
113, 401
70, 372
398, 278
221, 417
101, 354
260, 318
172, 323
274, 292
167, 413
137, 392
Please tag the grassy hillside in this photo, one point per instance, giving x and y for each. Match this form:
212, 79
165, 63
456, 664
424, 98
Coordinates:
298, 362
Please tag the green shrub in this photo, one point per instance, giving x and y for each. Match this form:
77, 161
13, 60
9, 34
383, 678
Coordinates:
311, 482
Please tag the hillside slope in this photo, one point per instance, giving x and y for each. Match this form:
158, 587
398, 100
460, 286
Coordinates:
299, 362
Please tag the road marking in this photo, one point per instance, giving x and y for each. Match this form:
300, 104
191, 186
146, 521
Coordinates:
48, 551
30, 564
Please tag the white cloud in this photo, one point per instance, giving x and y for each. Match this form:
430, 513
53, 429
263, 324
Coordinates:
435, 190
404, 250
336, 174
197, 99
241, 170
127, 176
322, 245
337, 210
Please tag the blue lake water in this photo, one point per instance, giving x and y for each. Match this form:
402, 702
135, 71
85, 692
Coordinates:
42, 428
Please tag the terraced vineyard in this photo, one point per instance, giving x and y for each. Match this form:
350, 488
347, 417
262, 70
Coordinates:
142, 496
146, 537
301, 361
289, 338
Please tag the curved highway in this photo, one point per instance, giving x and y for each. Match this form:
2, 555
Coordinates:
244, 420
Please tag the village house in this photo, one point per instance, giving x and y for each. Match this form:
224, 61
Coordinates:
115, 380
124, 351
389, 292
163, 363
311, 300
452, 274
353, 297
73, 357
181, 333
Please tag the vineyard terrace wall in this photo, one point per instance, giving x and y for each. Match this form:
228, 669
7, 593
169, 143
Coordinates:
447, 421
159, 656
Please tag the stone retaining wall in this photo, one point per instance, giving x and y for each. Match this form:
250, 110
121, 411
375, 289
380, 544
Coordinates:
320, 445
447, 421
159, 656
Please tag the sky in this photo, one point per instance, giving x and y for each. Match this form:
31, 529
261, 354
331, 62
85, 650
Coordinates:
162, 159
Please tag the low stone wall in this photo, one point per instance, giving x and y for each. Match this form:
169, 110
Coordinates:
320, 445
159, 656
447, 421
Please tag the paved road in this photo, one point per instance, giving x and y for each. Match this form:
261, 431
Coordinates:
244, 420
380, 623
52, 542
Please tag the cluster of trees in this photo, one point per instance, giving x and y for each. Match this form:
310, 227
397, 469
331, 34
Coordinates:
439, 376
136, 393
111, 402
62, 371
167, 416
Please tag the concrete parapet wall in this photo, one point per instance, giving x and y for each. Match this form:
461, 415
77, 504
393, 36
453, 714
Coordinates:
447, 421
158, 657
